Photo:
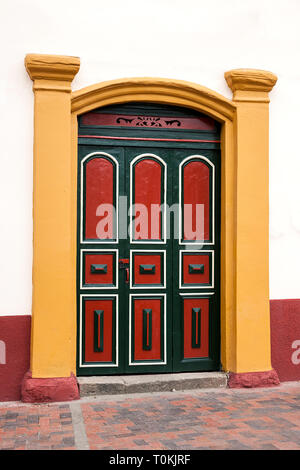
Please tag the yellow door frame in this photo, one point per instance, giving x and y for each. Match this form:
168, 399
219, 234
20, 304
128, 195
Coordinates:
245, 318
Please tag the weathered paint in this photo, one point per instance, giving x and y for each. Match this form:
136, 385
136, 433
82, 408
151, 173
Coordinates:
49, 390
253, 379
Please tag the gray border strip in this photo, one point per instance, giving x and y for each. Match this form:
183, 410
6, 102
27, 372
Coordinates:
80, 437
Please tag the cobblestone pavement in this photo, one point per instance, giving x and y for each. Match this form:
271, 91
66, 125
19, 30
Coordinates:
210, 419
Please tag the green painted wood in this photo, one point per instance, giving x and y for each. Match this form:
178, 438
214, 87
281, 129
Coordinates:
172, 153
144, 109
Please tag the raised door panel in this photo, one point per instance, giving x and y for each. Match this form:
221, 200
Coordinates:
150, 305
196, 253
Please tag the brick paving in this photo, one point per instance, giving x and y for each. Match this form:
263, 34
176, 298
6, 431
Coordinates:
34, 427
208, 419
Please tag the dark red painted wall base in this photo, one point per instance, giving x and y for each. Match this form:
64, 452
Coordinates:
49, 390
285, 338
15, 342
253, 379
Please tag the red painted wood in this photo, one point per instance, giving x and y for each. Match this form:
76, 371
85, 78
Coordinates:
195, 278
147, 278
138, 306
188, 305
107, 306
199, 123
145, 138
99, 190
148, 191
196, 190
98, 278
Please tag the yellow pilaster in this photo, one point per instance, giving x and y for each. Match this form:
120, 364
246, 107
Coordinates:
250, 94
53, 289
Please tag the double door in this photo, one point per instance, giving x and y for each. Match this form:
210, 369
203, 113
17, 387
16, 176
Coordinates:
148, 259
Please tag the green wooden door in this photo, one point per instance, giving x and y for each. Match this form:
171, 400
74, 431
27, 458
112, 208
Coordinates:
148, 256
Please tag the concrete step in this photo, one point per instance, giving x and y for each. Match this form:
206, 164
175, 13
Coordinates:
115, 385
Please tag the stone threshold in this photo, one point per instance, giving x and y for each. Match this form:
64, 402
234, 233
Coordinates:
115, 385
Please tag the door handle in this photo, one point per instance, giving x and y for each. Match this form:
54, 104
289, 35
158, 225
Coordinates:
126, 275
123, 263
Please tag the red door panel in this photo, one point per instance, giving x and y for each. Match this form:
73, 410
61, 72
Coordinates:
196, 269
196, 200
196, 327
148, 197
99, 269
148, 269
100, 174
99, 333
147, 319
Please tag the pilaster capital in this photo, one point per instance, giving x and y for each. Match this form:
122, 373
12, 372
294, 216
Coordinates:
250, 84
52, 72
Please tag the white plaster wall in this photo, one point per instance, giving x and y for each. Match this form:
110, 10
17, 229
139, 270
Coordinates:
193, 40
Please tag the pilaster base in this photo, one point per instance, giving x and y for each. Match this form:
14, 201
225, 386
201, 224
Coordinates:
49, 389
253, 379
